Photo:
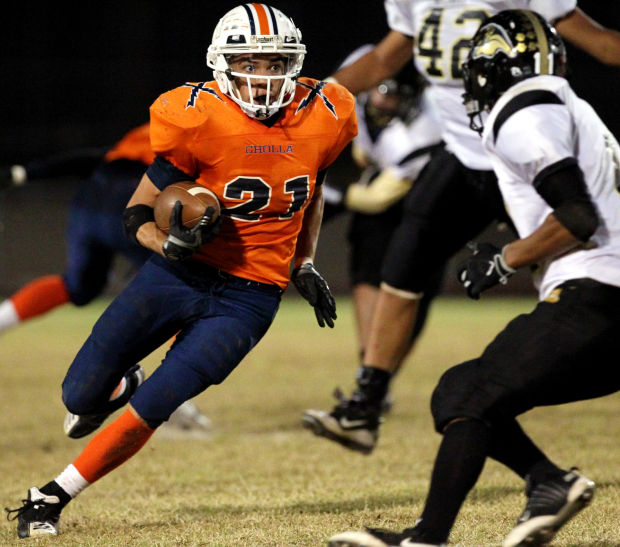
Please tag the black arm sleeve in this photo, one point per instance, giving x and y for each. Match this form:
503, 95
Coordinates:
563, 187
134, 217
162, 173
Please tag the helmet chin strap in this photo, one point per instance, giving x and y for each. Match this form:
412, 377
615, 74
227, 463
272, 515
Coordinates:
475, 115
476, 123
261, 113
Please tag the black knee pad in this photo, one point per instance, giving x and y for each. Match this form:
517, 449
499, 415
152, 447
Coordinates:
455, 395
407, 264
369, 236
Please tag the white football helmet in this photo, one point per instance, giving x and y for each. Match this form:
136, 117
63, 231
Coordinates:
256, 28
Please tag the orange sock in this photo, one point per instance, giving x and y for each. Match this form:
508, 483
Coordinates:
40, 296
113, 446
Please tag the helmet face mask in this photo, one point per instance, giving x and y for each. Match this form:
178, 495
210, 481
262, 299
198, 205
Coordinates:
257, 31
507, 48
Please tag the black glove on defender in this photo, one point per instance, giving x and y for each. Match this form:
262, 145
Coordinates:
484, 269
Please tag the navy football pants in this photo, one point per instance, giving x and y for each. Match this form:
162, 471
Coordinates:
219, 318
95, 234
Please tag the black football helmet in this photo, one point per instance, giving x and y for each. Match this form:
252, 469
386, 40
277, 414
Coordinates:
507, 48
407, 87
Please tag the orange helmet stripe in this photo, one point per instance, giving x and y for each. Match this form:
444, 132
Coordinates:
263, 20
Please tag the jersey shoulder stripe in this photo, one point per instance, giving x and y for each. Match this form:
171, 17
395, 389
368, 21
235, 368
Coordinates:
187, 104
521, 101
330, 97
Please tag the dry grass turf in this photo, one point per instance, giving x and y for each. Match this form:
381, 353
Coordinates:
262, 480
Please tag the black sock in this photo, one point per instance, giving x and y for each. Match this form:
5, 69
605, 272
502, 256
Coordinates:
542, 471
372, 383
54, 489
458, 465
513, 448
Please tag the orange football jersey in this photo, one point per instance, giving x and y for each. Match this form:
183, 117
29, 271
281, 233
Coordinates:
135, 146
263, 176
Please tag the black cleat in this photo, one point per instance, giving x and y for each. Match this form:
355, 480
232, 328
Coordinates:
377, 537
353, 423
38, 516
77, 426
550, 504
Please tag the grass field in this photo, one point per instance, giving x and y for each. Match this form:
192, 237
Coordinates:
262, 480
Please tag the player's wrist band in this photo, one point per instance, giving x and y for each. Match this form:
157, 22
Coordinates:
502, 262
134, 217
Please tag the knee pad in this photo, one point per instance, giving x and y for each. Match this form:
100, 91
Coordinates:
414, 261
455, 395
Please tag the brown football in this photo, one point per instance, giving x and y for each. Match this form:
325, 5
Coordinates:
195, 199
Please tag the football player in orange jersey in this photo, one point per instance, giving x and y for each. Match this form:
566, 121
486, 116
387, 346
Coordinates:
261, 138
94, 234
94, 237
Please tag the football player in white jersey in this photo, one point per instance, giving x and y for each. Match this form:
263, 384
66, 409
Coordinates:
398, 131
458, 188
564, 199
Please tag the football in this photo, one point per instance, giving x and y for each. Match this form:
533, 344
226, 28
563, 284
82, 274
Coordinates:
195, 199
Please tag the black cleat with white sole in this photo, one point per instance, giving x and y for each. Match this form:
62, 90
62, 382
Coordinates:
38, 516
550, 504
377, 537
353, 423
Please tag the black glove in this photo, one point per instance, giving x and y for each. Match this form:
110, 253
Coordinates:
484, 269
314, 289
183, 242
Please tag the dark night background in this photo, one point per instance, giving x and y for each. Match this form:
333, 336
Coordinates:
81, 74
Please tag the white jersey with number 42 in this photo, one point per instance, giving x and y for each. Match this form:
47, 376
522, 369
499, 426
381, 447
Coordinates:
442, 30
